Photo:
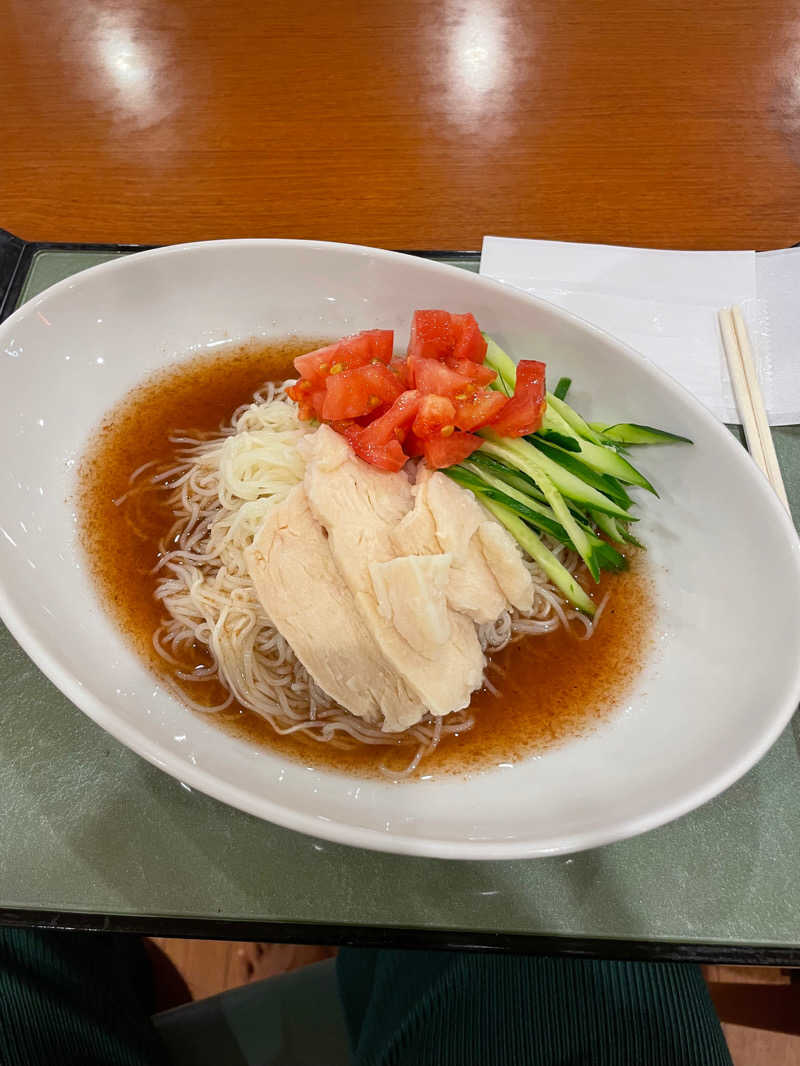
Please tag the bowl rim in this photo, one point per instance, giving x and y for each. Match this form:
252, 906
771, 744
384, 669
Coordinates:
340, 832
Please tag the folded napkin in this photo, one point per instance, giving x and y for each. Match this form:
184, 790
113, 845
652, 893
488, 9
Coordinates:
664, 304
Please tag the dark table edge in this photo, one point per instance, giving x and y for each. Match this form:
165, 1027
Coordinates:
16, 257
407, 938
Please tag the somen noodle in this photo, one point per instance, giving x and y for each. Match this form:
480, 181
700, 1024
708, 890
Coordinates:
221, 487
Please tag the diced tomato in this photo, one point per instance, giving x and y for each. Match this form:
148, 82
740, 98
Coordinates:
309, 400
474, 404
353, 393
381, 343
436, 413
373, 345
480, 407
523, 412
426, 404
301, 394
343, 426
469, 344
380, 442
431, 335
431, 376
314, 366
474, 372
401, 369
412, 445
445, 451
440, 335
395, 421
389, 456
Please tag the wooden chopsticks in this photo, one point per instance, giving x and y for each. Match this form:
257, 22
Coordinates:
749, 399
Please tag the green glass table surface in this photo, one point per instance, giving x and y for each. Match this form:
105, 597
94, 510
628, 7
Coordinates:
92, 833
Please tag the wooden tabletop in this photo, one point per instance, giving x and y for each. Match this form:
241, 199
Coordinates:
403, 124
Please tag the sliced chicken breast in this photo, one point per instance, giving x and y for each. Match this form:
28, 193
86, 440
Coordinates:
411, 593
359, 507
306, 598
445, 519
505, 561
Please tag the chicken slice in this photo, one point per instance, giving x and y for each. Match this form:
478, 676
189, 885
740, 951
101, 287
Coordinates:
415, 533
505, 561
453, 515
411, 594
305, 597
360, 506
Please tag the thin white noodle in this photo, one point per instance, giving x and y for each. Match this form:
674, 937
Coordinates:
220, 490
490, 687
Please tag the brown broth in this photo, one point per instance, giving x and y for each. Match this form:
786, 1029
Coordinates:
550, 688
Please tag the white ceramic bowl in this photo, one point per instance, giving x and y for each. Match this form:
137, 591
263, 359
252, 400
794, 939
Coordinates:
722, 685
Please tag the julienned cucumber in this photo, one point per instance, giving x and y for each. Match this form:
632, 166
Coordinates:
511, 476
603, 460
630, 433
608, 525
479, 479
572, 418
543, 512
502, 364
552, 436
567, 480
533, 462
542, 556
518, 480
571, 464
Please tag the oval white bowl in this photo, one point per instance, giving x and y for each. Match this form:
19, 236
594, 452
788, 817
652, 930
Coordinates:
725, 676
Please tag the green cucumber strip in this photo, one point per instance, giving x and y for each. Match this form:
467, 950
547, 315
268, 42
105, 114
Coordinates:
609, 443
533, 462
630, 539
513, 476
503, 365
543, 517
532, 545
514, 492
609, 558
516, 479
569, 444
608, 525
515, 502
575, 532
562, 388
601, 459
630, 433
510, 475
499, 385
552, 421
601, 483
572, 418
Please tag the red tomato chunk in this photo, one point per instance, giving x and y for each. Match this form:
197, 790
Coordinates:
435, 418
524, 411
445, 451
353, 393
392, 409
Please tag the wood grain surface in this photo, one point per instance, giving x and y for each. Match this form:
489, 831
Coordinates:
415, 124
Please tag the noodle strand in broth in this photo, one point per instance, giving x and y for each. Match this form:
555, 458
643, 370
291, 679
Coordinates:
220, 490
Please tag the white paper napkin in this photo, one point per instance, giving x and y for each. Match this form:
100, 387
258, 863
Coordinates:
665, 303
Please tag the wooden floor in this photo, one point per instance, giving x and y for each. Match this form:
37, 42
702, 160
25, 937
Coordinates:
212, 966
753, 994
769, 1001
